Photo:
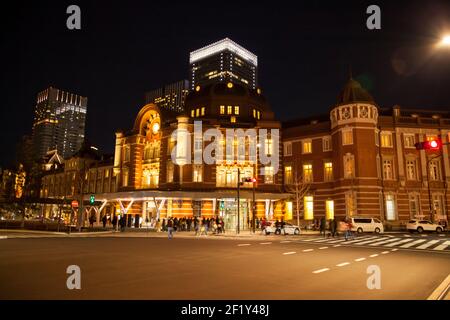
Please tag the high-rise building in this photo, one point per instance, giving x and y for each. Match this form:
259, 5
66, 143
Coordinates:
170, 97
59, 122
223, 61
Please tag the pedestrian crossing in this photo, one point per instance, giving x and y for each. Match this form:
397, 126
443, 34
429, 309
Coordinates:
437, 245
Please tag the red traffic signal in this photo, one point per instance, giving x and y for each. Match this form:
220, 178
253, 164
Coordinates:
434, 144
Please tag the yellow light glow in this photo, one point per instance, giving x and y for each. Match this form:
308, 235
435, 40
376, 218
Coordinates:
197, 88
258, 91
329, 209
288, 215
446, 40
155, 128
230, 85
309, 207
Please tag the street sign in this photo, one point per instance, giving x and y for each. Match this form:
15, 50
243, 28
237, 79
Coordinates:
74, 204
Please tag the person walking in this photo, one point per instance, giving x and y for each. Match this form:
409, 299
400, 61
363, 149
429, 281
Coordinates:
114, 223
333, 227
170, 229
348, 229
104, 220
323, 224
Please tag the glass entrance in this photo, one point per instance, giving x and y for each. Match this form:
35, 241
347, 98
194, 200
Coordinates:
228, 210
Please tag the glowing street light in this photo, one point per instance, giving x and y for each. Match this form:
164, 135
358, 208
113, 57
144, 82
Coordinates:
446, 41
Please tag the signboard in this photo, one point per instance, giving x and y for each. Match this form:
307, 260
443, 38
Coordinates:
74, 204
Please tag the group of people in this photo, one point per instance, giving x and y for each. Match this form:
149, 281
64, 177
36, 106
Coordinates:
201, 226
334, 227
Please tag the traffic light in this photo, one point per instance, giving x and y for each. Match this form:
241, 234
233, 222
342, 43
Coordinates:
434, 144
92, 199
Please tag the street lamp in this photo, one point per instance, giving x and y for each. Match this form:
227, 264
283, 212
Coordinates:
445, 41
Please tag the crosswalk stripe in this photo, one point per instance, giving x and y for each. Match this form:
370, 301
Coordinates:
428, 244
399, 242
442, 246
359, 242
408, 245
321, 270
313, 239
383, 242
359, 239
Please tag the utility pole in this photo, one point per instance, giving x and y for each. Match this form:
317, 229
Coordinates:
238, 200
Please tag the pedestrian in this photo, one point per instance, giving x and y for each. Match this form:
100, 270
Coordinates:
257, 223
104, 220
122, 223
283, 223
333, 227
164, 225
91, 221
170, 229
114, 223
348, 229
323, 223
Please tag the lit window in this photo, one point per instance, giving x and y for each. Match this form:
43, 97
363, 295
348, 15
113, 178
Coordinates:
229, 109
222, 109
390, 207
203, 111
197, 112
254, 113
197, 173
435, 170
307, 146
233, 119
349, 166
307, 173
236, 110
326, 143
329, 207
414, 207
347, 136
411, 172
288, 175
388, 170
386, 139
192, 113
288, 148
268, 174
268, 146
308, 203
258, 115
409, 140
328, 171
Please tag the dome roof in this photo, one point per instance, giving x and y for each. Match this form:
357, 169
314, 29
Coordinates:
354, 92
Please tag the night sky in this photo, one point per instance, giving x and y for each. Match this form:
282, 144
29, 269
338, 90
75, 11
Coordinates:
304, 52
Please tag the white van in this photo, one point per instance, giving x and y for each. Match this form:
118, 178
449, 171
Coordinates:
364, 224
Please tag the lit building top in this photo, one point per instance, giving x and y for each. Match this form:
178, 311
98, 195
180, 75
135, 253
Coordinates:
224, 44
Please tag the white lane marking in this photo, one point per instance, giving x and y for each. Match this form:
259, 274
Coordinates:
393, 250
385, 252
428, 244
442, 246
440, 292
287, 241
383, 242
321, 270
321, 248
406, 235
3, 237
337, 245
323, 240
342, 264
412, 243
243, 244
374, 255
442, 235
292, 252
360, 259
266, 243
308, 250
398, 242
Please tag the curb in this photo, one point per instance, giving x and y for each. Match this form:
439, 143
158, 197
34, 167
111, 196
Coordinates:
54, 233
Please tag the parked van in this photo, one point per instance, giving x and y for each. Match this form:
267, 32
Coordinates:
364, 224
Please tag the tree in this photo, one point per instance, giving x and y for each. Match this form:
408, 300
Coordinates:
298, 188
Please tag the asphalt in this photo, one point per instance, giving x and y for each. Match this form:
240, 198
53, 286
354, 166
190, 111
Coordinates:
119, 267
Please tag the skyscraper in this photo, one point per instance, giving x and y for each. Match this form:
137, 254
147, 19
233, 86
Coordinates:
170, 96
224, 60
59, 122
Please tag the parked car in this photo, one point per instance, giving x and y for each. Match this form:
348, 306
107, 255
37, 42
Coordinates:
423, 225
288, 229
366, 224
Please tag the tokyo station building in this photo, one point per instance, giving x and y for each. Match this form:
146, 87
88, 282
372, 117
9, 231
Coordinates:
357, 160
